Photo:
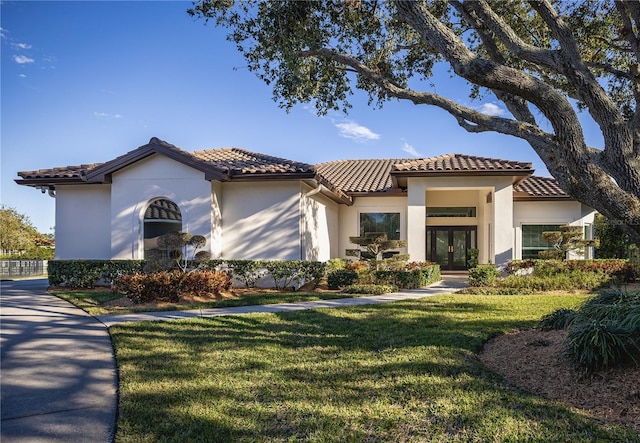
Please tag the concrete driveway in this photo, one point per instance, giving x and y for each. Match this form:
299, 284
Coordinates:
59, 379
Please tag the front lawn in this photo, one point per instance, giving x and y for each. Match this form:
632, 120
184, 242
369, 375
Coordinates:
97, 302
403, 371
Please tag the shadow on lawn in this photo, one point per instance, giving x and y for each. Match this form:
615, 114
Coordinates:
386, 373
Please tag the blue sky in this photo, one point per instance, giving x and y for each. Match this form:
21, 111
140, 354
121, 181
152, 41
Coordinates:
85, 82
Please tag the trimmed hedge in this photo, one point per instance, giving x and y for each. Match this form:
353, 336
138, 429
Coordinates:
483, 275
413, 279
88, 273
168, 286
369, 289
621, 269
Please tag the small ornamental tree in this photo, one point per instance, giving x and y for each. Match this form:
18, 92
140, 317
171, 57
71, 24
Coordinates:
568, 239
375, 243
172, 252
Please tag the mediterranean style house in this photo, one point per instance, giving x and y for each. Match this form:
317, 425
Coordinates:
254, 206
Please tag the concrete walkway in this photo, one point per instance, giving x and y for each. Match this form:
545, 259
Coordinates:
451, 283
59, 379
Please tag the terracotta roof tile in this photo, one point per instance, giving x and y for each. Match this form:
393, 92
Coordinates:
359, 175
536, 186
60, 173
460, 162
240, 161
348, 176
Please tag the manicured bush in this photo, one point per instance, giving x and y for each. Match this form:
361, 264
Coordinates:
145, 288
88, 273
416, 278
313, 271
483, 275
565, 281
165, 286
369, 289
247, 271
204, 282
284, 272
341, 278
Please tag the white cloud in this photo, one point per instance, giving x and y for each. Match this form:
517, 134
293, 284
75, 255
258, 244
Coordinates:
21, 45
491, 109
410, 150
356, 132
22, 76
21, 59
106, 115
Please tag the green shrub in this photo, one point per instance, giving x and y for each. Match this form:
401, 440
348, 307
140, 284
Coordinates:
335, 264
284, 272
557, 320
247, 271
313, 271
605, 332
483, 275
341, 278
415, 278
369, 289
87, 273
562, 281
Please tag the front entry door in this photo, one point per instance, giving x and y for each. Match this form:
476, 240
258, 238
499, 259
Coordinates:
449, 245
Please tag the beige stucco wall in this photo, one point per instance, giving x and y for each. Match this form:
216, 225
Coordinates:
83, 222
548, 213
494, 220
154, 177
350, 219
318, 226
261, 221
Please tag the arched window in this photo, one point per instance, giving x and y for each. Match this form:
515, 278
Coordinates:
162, 216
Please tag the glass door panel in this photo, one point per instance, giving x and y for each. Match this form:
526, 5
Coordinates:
448, 246
459, 249
441, 247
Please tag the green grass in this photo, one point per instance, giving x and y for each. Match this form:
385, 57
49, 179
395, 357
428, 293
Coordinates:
403, 371
92, 301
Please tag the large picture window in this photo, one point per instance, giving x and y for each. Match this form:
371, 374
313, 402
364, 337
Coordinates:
387, 222
532, 241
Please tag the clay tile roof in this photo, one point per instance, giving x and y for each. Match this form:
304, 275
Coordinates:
540, 187
240, 161
359, 175
65, 172
460, 163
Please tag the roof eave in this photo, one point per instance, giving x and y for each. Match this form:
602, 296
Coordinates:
521, 198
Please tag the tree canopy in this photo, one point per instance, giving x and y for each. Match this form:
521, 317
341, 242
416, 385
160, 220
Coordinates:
18, 235
545, 60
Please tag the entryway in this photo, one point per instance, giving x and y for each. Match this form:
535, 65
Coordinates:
449, 246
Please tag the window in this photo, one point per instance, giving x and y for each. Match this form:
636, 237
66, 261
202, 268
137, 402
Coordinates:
462, 211
387, 222
588, 235
532, 241
162, 216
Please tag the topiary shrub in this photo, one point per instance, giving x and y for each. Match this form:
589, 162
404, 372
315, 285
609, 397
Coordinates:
341, 278
313, 271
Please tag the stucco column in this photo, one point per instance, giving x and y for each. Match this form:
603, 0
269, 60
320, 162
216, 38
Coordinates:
416, 213
503, 223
